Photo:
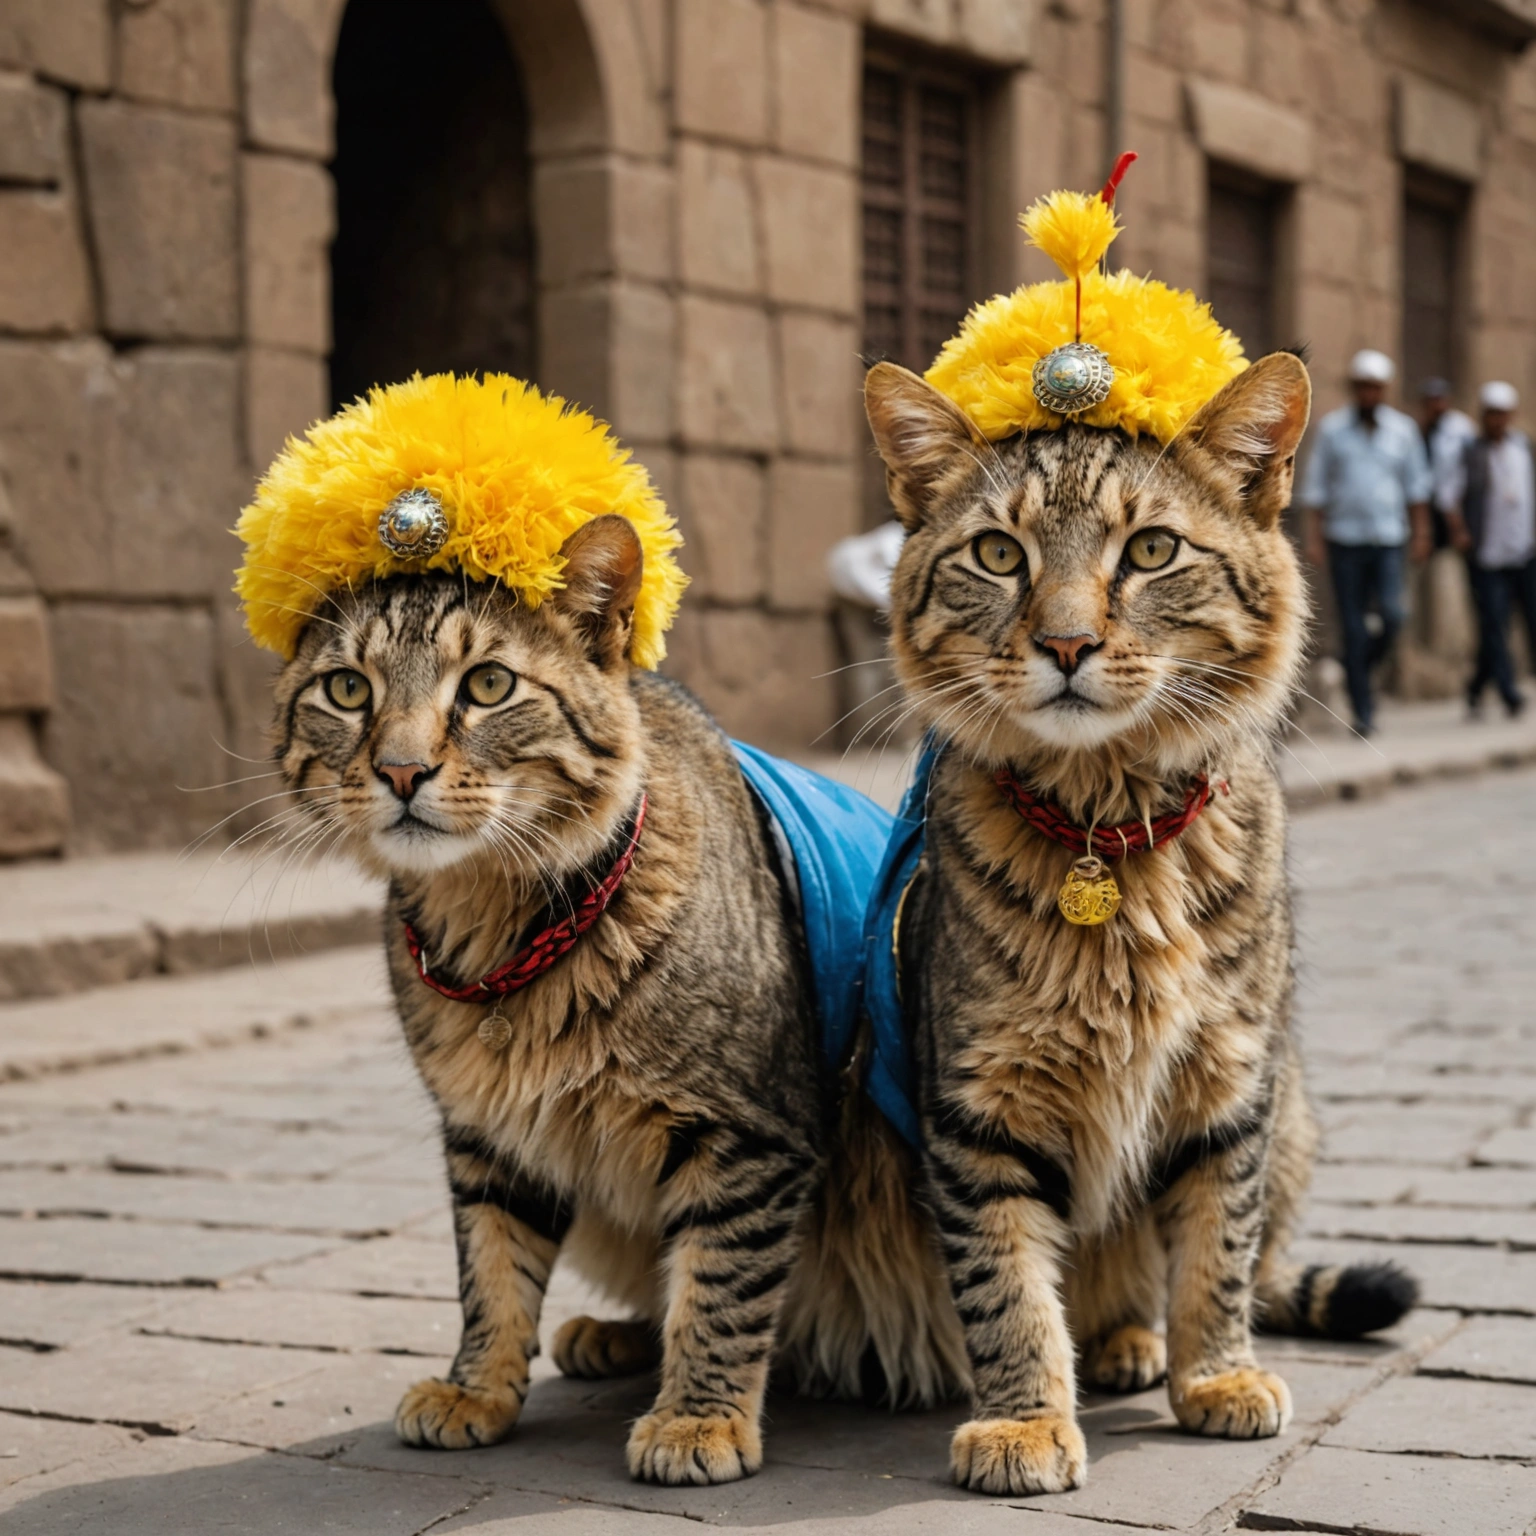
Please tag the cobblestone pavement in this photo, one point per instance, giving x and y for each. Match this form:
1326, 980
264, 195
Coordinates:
222, 1266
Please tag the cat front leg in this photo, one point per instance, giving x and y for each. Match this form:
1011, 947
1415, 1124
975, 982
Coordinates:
508, 1229
1001, 1208
731, 1251
1212, 1218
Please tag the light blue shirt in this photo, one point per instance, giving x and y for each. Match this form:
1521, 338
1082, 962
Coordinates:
1363, 480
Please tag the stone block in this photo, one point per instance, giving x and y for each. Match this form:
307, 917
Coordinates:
816, 65
1329, 236
65, 40
1439, 128
1489, 1348
1244, 129
34, 799
1514, 1144
722, 69
822, 379
285, 392
26, 671
288, 50
644, 342
643, 239
1000, 34
717, 225
599, 216
45, 283
181, 52
726, 394
766, 677
1220, 46
810, 222
289, 218
932, 21
138, 713
573, 347
160, 188
810, 507
1343, 1490
722, 516
34, 128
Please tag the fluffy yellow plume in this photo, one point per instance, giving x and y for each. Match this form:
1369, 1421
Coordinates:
1169, 354
1073, 228
517, 472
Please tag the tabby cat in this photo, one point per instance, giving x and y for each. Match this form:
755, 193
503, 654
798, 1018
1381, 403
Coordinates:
1114, 1121
653, 1105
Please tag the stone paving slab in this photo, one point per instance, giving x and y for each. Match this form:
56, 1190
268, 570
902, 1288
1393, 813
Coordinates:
1465, 1279
1440, 1416
30, 1447
1424, 1224
170, 1014
44, 1315
334, 1206
385, 1266
1340, 1490
1494, 1348
141, 1253
182, 1487
78, 924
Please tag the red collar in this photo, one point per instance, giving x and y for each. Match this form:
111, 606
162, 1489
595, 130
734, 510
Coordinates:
552, 937
1115, 842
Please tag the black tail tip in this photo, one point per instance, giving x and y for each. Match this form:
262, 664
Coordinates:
1369, 1297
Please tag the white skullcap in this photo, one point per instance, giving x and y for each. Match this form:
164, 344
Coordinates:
1499, 396
1370, 367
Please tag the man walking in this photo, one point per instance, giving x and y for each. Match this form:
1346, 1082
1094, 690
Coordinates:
1365, 495
1447, 432
1494, 526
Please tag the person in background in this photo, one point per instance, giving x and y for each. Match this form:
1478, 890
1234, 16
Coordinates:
1493, 523
1447, 432
1365, 503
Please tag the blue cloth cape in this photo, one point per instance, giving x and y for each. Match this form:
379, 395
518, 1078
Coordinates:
852, 861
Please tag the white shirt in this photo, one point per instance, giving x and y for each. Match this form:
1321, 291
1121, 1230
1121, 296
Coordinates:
1448, 440
1509, 521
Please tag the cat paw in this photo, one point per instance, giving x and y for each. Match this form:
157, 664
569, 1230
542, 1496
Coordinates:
1241, 1404
1044, 1455
449, 1417
1128, 1359
674, 1448
590, 1348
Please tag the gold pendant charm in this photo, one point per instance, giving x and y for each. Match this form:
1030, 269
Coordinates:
494, 1031
1090, 895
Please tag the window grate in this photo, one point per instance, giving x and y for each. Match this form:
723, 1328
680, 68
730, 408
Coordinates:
919, 136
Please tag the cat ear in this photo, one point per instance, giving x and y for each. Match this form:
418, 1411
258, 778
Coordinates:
1251, 430
920, 433
603, 566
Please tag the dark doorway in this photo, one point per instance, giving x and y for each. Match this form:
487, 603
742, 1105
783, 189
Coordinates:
1243, 257
432, 268
1434, 211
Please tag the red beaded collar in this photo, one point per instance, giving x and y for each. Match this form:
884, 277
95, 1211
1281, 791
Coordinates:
552, 937
1114, 842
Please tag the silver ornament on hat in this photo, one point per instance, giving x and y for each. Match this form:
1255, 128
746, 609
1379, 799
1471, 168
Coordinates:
1073, 378
413, 525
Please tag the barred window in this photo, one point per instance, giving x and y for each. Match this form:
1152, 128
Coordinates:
919, 206
1433, 214
1242, 257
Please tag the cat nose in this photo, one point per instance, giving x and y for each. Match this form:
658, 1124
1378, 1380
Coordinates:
403, 778
1068, 650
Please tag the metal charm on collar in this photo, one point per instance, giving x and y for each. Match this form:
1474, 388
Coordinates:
1074, 377
495, 1031
1089, 895
413, 525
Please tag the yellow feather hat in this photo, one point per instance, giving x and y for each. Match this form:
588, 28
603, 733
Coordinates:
510, 473
1168, 353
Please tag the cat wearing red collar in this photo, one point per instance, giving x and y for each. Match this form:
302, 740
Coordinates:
604, 989
1103, 632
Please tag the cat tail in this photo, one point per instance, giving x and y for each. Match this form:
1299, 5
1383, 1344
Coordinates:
869, 1315
1333, 1301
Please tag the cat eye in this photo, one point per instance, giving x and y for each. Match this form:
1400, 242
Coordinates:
348, 689
1152, 548
999, 553
487, 685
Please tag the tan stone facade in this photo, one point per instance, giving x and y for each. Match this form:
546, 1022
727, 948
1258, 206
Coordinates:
167, 213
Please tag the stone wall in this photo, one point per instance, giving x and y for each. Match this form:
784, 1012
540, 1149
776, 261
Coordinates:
166, 210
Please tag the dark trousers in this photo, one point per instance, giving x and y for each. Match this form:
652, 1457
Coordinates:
1366, 577
1494, 595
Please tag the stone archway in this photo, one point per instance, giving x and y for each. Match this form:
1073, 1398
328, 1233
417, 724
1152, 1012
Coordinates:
432, 267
